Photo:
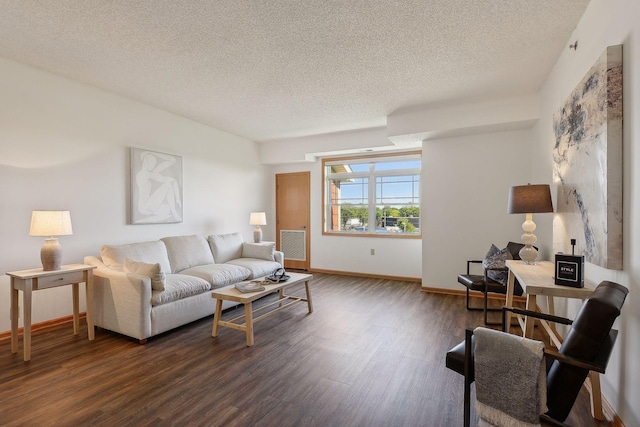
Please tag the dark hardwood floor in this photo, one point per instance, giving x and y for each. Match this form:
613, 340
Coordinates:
371, 354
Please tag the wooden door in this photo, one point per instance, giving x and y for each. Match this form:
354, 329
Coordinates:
292, 219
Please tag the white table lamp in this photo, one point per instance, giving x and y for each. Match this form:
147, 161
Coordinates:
50, 223
257, 219
529, 199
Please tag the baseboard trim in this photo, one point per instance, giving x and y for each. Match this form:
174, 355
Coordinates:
367, 275
610, 415
6, 335
617, 421
474, 294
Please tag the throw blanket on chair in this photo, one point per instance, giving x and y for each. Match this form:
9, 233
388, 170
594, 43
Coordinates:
510, 375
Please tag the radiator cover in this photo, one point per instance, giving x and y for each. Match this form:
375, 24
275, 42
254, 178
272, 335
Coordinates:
293, 244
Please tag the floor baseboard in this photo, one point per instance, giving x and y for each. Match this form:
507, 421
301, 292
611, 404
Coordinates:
474, 294
366, 275
6, 335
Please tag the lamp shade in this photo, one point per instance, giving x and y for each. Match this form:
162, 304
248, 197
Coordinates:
258, 218
50, 223
530, 199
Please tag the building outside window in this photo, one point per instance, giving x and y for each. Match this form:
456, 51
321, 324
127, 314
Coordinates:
372, 195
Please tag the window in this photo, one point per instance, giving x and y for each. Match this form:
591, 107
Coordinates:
373, 195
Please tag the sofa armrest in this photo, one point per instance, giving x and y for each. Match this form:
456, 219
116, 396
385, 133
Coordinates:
122, 301
278, 256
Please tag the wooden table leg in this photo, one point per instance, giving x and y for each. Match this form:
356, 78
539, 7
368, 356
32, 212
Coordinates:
89, 289
596, 396
309, 303
248, 318
552, 310
509, 301
26, 297
15, 308
532, 303
216, 318
76, 308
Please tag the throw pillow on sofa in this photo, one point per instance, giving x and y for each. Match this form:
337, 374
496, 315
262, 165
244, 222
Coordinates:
149, 252
225, 247
252, 250
154, 271
495, 258
187, 251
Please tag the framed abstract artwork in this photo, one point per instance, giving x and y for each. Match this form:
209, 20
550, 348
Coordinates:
156, 187
588, 165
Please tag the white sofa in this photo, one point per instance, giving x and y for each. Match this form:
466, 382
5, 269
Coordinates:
144, 289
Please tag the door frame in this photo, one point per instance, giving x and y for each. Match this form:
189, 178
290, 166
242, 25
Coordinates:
299, 265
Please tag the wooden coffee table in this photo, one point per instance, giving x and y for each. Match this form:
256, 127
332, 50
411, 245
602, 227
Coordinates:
230, 293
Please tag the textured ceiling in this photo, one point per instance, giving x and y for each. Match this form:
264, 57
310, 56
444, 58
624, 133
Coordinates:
281, 68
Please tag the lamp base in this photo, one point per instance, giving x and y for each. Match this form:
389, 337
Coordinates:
257, 234
528, 255
51, 254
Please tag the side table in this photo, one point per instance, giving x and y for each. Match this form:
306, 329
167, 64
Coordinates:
28, 281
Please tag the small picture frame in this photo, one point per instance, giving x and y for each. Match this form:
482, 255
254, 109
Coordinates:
570, 270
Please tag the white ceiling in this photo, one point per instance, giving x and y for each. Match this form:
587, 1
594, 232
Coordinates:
273, 69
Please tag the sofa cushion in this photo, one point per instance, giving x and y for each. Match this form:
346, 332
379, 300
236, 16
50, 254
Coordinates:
187, 251
225, 247
252, 250
178, 286
258, 267
219, 275
149, 252
153, 271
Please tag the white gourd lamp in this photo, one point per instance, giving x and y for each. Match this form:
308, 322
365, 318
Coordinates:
529, 199
50, 223
257, 219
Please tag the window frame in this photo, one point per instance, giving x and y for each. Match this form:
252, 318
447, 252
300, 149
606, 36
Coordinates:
372, 188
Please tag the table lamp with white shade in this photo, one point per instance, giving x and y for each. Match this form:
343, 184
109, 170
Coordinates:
529, 199
50, 223
257, 219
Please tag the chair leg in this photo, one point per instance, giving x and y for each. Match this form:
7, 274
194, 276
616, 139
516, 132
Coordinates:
467, 403
481, 308
467, 380
469, 303
486, 309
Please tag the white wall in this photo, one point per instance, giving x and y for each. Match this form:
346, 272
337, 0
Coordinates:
393, 257
65, 145
307, 148
440, 121
464, 195
606, 23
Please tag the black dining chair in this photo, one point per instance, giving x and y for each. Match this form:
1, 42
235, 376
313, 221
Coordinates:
587, 347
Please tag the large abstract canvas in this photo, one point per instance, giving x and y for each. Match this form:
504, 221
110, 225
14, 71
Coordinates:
156, 187
588, 165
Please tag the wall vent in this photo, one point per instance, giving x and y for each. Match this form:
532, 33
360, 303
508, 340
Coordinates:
293, 244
